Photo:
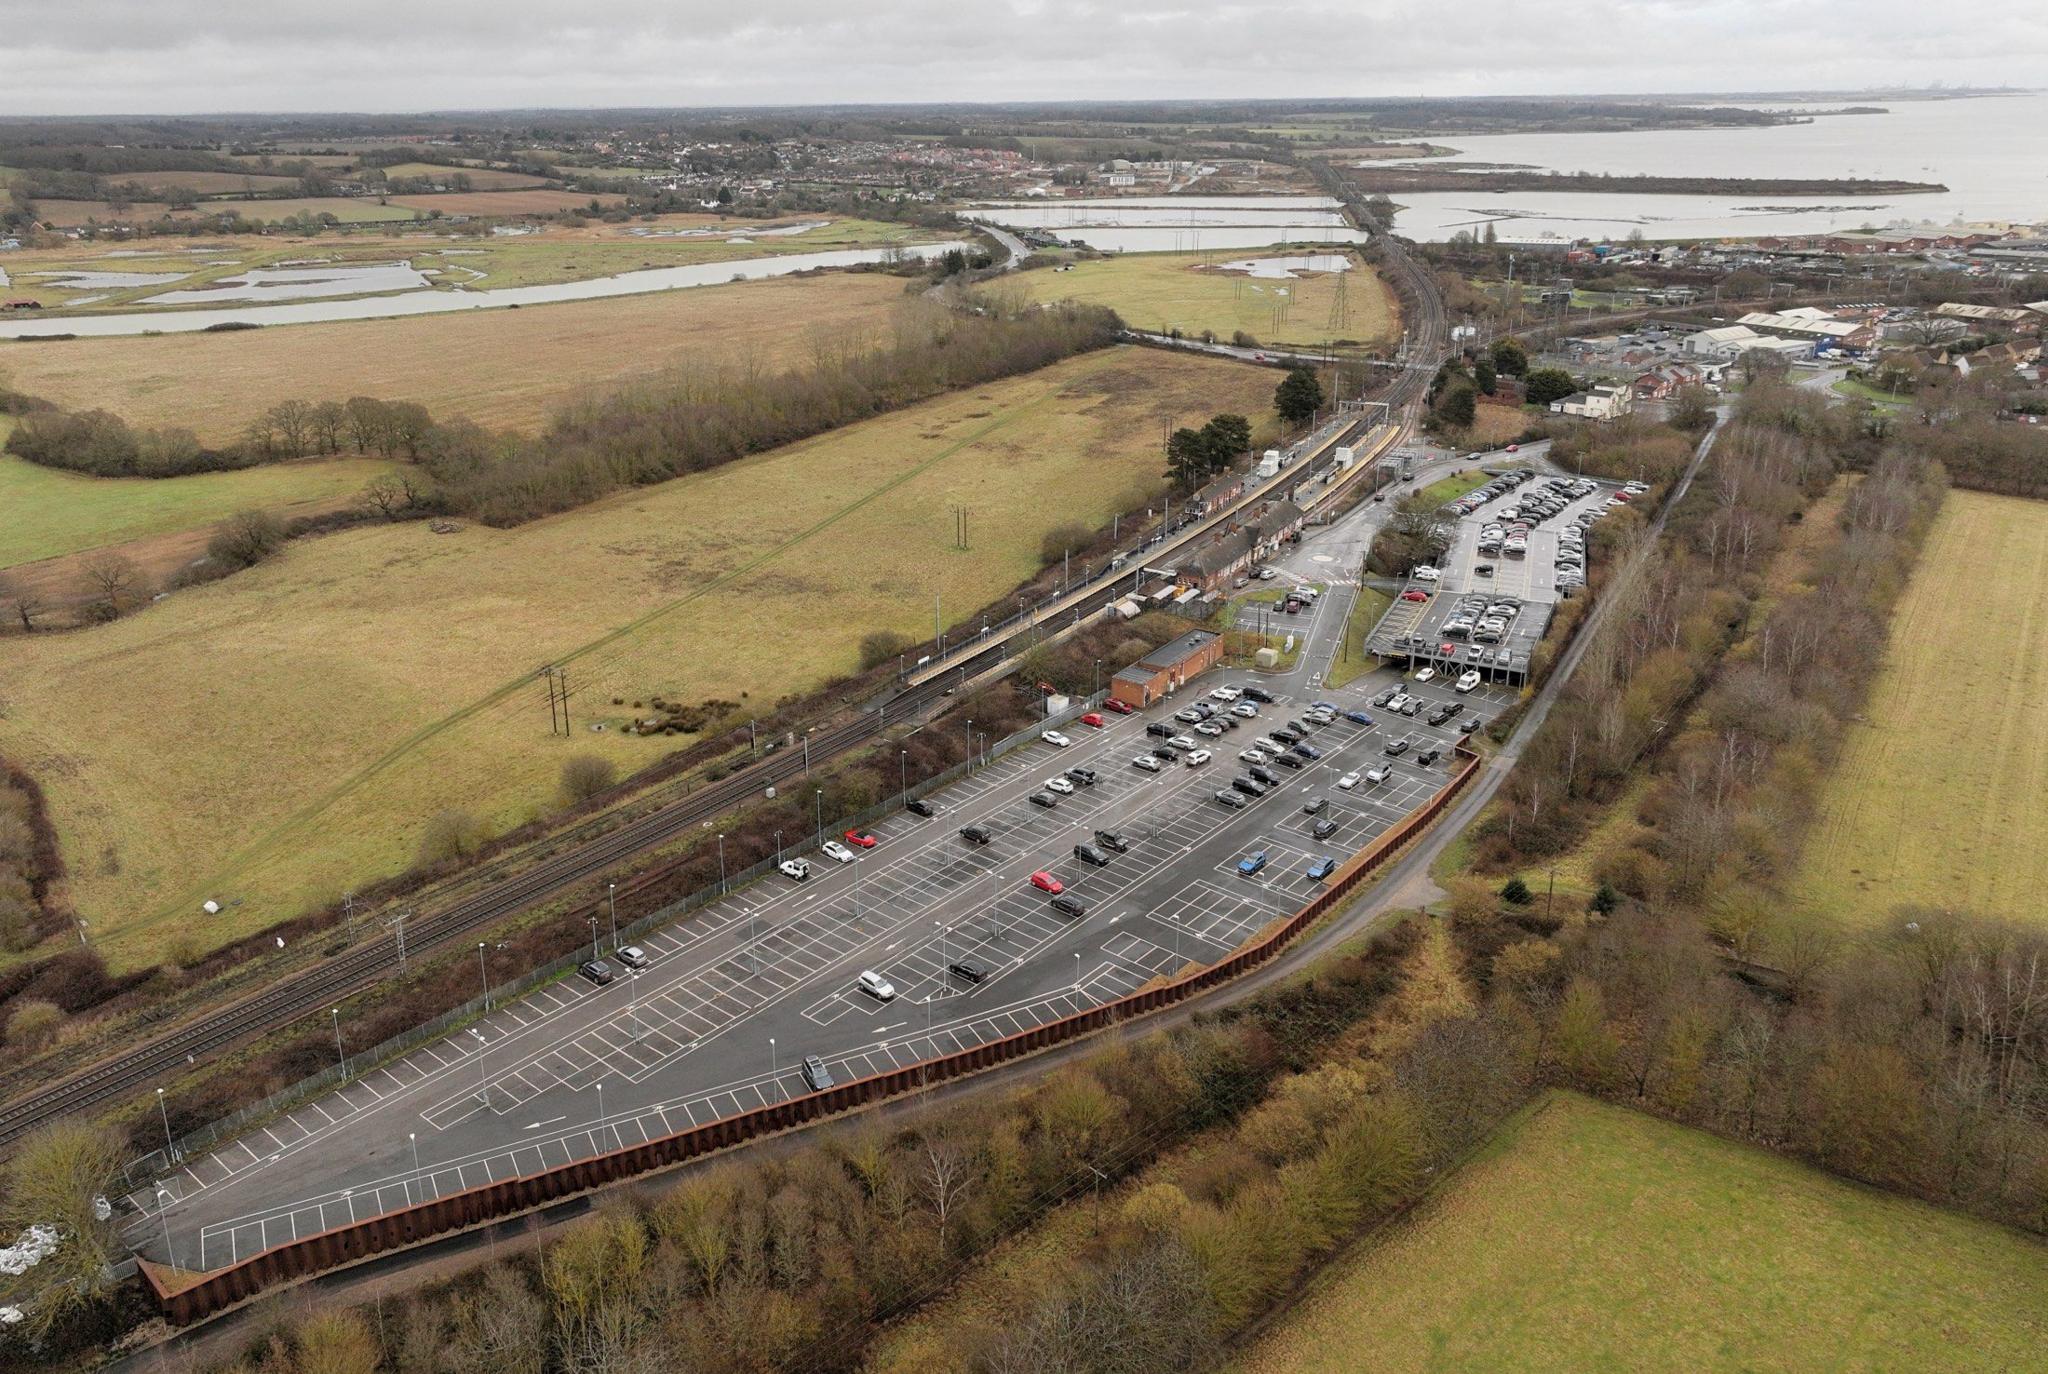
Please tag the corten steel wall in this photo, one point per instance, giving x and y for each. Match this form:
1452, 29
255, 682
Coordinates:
508, 1197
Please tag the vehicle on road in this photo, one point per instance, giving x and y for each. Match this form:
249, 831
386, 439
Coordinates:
1044, 800
597, 971
1054, 738
1113, 840
1414, 594
1093, 718
816, 1076
1045, 882
1468, 680
1358, 717
1322, 868
796, 869
864, 838
836, 852
1059, 785
876, 986
918, 806
1267, 574
632, 956
1348, 781
969, 970
976, 834
1146, 762
1122, 708
1379, 773
1251, 863
1482, 570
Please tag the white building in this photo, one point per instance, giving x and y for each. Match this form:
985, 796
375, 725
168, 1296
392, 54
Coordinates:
1596, 403
1724, 343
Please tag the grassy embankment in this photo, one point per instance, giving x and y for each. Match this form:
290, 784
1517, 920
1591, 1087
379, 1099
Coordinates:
306, 718
502, 368
1189, 292
1352, 660
1936, 798
1589, 1237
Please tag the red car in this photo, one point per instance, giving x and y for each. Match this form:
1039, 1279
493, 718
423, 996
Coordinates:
1093, 718
1415, 595
1045, 882
861, 838
1514, 448
1122, 708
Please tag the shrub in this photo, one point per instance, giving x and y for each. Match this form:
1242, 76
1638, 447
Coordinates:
586, 775
451, 834
881, 646
1516, 891
33, 1025
1062, 539
243, 541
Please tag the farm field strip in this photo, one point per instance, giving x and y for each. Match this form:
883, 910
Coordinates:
1587, 1237
1936, 797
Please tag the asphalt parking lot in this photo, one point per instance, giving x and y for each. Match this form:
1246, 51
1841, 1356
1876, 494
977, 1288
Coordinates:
737, 995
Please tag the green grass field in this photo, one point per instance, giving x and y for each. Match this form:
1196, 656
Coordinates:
52, 513
1186, 291
1452, 487
304, 719
1937, 795
1351, 660
1591, 1238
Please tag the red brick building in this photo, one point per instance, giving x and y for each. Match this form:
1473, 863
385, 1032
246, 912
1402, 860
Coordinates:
1166, 668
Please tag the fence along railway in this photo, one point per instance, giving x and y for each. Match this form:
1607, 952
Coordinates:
295, 997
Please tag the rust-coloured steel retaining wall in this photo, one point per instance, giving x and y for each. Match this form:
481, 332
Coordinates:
211, 1292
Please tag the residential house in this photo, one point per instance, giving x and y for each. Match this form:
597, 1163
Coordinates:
1596, 403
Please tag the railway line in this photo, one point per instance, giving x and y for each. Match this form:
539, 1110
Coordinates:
298, 996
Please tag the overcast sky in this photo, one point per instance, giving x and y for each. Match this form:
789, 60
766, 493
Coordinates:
198, 56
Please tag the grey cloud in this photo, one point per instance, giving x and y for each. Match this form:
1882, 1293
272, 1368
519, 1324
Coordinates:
182, 56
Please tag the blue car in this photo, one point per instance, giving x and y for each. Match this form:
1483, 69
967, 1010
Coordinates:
1251, 863
1322, 706
1358, 717
1322, 868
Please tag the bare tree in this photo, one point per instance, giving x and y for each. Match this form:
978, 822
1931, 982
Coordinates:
23, 602
112, 580
390, 496
945, 1178
294, 423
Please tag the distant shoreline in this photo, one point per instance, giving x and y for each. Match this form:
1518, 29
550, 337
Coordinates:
1395, 180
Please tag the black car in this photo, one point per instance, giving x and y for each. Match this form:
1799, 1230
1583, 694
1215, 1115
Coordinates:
1259, 694
1456, 708
968, 970
1161, 729
1231, 800
1044, 799
1084, 776
1440, 715
1168, 755
918, 806
1469, 726
1384, 697
816, 1076
1251, 787
1314, 806
1067, 904
1264, 774
1299, 728
1288, 738
975, 834
1089, 854
1287, 760
597, 971
1429, 756
1113, 841
1324, 829
1395, 748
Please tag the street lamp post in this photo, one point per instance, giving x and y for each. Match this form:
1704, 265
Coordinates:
163, 1215
611, 892
170, 1150
721, 865
1077, 970
340, 1055
778, 847
600, 1110
902, 772
414, 1137
483, 974
807, 753
818, 810
774, 1064
593, 937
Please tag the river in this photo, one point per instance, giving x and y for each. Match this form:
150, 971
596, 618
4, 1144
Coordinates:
1990, 151
1156, 224
440, 302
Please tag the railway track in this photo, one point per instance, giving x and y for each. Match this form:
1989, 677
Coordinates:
295, 997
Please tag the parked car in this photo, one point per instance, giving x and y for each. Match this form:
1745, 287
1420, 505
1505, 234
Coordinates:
1044, 800
1379, 773
1467, 680
918, 806
1259, 694
1323, 828
1199, 757
1146, 762
1251, 787
1428, 757
795, 868
1288, 760
836, 851
1469, 725
969, 970
1253, 755
1122, 708
1395, 748
1085, 776
1209, 728
1188, 715
1413, 706
1161, 729
597, 971
1113, 840
1358, 717
1185, 743
1244, 710
1424, 674
1226, 693
1054, 738
1089, 854
1322, 868
876, 986
864, 838
1315, 806
1228, 798
1264, 775
1306, 752
632, 956
1045, 882
1067, 904
816, 1076
976, 834
1093, 718
1251, 863
1059, 785
1348, 781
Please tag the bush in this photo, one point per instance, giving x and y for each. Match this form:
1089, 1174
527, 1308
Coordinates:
243, 541
33, 1026
586, 775
881, 646
1061, 540
451, 834
1517, 892
1547, 384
